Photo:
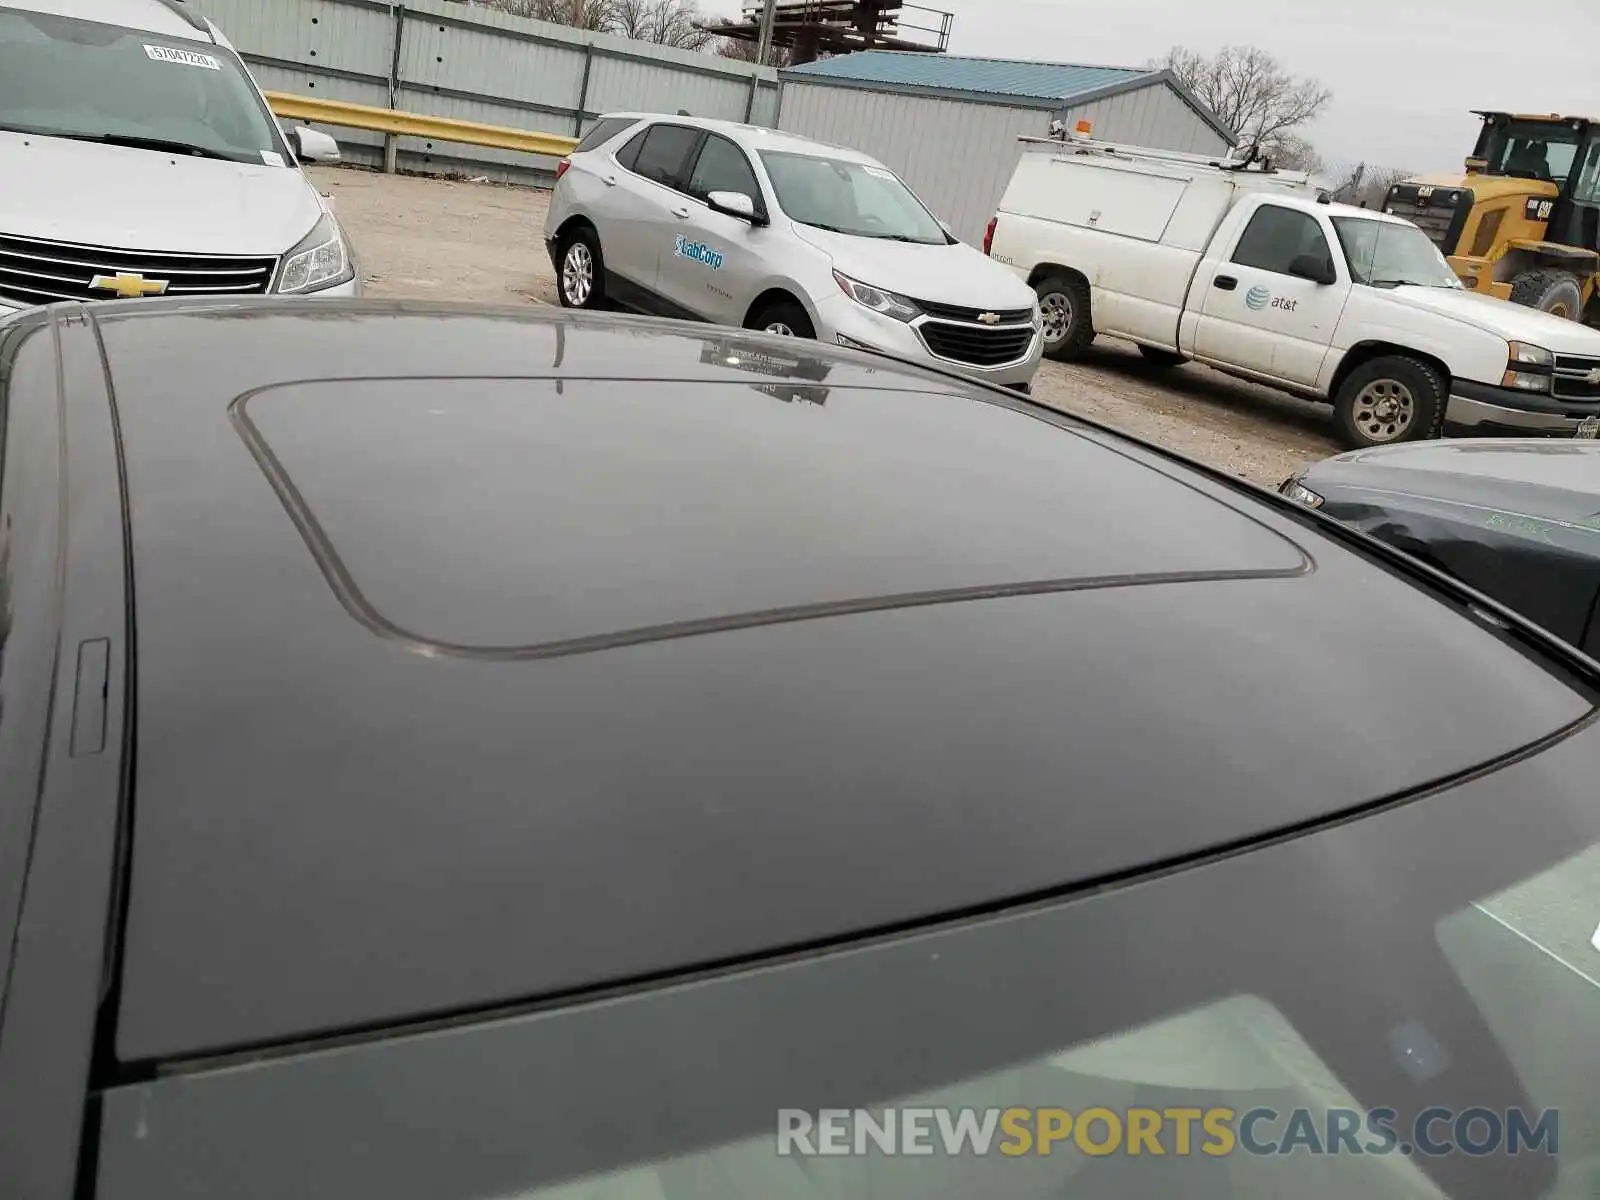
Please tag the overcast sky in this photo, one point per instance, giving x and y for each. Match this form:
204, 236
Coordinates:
1404, 73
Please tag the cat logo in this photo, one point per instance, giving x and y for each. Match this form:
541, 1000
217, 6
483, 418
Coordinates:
1425, 192
1538, 210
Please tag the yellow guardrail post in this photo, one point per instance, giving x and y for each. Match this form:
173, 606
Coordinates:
402, 124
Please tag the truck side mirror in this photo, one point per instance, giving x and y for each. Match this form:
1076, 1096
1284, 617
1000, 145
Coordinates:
1315, 268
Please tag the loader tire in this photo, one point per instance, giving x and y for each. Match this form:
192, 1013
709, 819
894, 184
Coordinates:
1553, 291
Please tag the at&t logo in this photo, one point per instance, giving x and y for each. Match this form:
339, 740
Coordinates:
1256, 298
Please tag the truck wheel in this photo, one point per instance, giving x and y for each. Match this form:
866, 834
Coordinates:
1556, 292
1388, 400
1161, 359
1064, 306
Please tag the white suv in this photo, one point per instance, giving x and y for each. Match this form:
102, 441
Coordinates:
743, 226
138, 158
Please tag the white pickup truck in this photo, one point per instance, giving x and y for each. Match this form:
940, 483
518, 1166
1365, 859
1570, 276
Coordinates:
1253, 272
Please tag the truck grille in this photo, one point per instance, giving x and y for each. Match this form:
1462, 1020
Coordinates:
978, 345
33, 271
1440, 213
1573, 379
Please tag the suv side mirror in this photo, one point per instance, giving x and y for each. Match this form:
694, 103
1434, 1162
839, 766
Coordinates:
735, 204
1312, 267
313, 147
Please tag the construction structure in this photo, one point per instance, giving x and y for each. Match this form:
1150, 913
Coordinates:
812, 29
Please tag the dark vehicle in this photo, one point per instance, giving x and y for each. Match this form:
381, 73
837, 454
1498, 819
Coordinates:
1519, 520
457, 755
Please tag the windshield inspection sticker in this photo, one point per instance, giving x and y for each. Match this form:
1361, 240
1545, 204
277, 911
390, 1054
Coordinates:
184, 58
698, 252
271, 159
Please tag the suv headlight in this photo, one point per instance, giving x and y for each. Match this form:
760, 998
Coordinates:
321, 260
1293, 489
1528, 368
878, 300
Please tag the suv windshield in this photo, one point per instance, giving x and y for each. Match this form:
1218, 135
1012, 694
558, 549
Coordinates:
1384, 254
82, 79
852, 198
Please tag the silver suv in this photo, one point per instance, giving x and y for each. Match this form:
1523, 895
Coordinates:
743, 226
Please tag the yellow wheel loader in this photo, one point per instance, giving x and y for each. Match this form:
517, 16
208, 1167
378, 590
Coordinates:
1523, 223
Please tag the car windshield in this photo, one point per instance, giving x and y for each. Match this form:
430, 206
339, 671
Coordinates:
1388, 254
858, 199
63, 77
1395, 1008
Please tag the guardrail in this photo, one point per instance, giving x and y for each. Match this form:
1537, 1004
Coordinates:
403, 124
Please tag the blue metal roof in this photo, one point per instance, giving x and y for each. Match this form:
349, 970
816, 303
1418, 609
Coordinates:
994, 76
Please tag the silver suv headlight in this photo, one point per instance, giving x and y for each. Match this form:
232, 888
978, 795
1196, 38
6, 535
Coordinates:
321, 260
878, 300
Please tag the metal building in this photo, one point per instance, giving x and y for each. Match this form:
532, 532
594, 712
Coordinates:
949, 125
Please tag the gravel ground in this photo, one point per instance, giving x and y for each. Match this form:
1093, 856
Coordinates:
448, 240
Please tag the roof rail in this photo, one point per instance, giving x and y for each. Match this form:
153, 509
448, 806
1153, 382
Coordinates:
180, 9
1084, 144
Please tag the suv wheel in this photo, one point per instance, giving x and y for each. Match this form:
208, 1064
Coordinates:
582, 280
784, 318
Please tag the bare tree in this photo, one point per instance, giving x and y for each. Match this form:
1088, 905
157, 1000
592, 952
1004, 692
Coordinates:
1292, 152
1250, 92
662, 22
742, 51
579, 14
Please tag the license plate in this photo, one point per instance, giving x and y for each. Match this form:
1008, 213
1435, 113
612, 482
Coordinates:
1588, 428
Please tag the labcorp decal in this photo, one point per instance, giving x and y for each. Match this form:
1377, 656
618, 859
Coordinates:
698, 252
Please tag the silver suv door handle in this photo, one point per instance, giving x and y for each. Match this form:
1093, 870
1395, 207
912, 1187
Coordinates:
681, 213
609, 181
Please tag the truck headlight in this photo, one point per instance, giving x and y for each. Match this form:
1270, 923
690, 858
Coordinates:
1528, 368
878, 300
321, 260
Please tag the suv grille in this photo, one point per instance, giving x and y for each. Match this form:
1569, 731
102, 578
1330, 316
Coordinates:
951, 312
1572, 379
40, 272
978, 345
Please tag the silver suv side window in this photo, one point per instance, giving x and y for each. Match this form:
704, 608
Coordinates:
663, 154
723, 167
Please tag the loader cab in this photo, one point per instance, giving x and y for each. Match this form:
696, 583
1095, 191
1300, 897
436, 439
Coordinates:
1562, 153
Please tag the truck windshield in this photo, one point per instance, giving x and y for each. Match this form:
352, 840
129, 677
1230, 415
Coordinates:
62, 77
1387, 254
858, 199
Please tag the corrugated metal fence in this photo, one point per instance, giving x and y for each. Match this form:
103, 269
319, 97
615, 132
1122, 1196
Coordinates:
451, 60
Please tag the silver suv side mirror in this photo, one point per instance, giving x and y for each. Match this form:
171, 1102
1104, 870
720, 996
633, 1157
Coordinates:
735, 204
313, 147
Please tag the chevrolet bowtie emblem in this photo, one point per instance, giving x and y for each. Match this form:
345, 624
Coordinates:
989, 318
1593, 377
128, 286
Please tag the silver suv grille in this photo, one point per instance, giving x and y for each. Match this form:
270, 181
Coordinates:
34, 271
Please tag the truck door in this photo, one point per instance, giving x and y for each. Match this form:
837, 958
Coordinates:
1258, 315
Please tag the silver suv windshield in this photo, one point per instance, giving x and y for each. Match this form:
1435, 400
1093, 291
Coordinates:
852, 198
1384, 254
63, 77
